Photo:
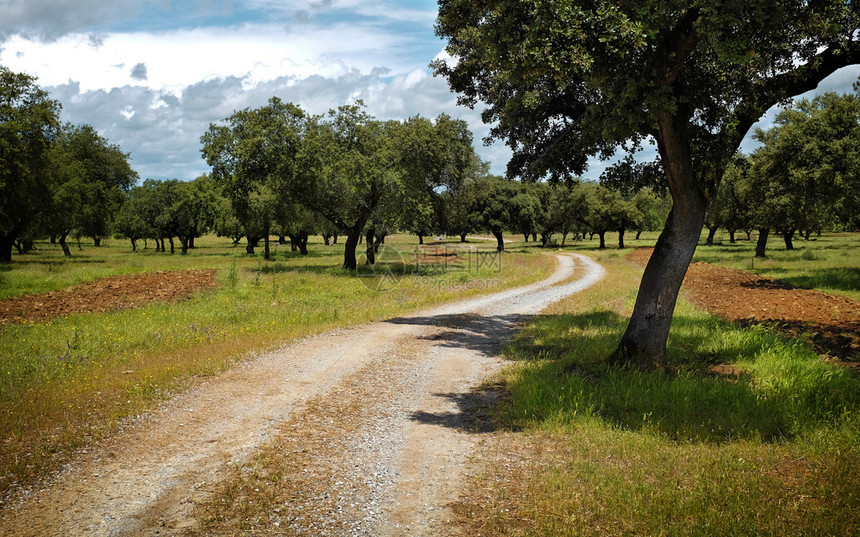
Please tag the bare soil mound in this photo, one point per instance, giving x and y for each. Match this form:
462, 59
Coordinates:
831, 322
114, 293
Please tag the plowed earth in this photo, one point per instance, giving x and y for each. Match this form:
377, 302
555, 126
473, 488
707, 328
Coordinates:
108, 294
830, 322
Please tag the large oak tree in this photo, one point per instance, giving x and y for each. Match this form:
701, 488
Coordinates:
565, 81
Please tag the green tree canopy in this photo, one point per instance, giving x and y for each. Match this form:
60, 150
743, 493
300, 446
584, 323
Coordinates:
28, 124
806, 175
253, 157
89, 179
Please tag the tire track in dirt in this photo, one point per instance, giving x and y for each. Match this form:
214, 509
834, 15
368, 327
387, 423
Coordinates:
152, 477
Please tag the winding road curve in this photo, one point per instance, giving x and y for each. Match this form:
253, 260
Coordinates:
392, 472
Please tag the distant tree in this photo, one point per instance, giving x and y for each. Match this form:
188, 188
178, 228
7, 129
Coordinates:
192, 211
653, 208
28, 124
805, 174
567, 81
347, 169
131, 222
491, 208
89, 179
253, 158
607, 210
731, 208
225, 222
526, 210
455, 209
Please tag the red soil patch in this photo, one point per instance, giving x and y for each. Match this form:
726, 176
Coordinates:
439, 256
831, 322
114, 293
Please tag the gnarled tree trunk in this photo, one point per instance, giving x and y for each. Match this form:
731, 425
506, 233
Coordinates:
643, 344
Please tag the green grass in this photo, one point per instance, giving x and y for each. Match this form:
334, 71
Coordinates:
71, 380
771, 448
830, 263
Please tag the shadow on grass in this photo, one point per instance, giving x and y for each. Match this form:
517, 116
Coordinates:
564, 378
843, 278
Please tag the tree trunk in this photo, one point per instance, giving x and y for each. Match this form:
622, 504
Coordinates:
732, 236
711, 232
638, 234
191, 241
133, 245
526, 235
544, 239
184, 242
326, 239
53, 239
334, 239
172, 250
420, 238
563, 237
249, 247
97, 242
267, 254
6, 243
621, 238
352, 237
788, 237
369, 249
602, 235
64, 246
761, 245
534, 237
500, 243
463, 237
643, 344
19, 245
300, 241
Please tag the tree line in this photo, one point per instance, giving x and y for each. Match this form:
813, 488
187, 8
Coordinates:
278, 171
803, 179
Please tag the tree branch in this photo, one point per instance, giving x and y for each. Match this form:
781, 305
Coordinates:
789, 84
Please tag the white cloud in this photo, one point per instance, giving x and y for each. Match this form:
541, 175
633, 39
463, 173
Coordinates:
183, 57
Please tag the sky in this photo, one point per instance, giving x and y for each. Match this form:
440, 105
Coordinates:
151, 75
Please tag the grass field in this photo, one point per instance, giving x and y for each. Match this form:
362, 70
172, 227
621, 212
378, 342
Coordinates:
772, 450
70, 381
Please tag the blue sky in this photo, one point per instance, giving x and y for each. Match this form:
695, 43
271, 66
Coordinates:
151, 75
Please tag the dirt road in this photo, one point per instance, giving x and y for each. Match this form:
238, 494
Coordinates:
376, 416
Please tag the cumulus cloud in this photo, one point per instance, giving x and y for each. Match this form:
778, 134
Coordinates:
161, 128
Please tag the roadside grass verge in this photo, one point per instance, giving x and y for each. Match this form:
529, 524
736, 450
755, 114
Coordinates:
827, 263
753, 435
70, 381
